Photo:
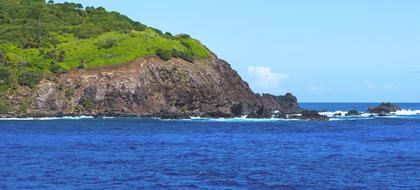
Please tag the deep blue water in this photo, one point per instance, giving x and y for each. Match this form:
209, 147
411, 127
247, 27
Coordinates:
372, 153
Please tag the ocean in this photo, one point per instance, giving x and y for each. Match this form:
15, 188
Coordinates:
136, 153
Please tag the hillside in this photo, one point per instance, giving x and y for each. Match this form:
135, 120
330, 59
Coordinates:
41, 38
66, 59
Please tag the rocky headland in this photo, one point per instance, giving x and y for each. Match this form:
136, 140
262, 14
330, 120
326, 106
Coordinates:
150, 87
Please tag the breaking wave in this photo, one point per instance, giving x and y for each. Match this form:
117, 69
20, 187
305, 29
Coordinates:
341, 114
333, 115
47, 118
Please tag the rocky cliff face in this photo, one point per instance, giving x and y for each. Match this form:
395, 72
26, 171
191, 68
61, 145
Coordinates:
149, 87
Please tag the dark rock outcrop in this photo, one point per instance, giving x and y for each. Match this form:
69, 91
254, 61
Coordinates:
169, 115
286, 104
353, 113
307, 115
384, 109
313, 115
261, 113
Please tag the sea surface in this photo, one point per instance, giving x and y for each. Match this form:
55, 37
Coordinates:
132, 153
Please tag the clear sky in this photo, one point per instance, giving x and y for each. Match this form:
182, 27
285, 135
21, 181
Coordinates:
320, 50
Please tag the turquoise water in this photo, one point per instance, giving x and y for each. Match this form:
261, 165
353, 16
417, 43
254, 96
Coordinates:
373, 153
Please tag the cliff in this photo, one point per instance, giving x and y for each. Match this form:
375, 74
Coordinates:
148, 86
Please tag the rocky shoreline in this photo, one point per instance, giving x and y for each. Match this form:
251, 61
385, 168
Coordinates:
384, 109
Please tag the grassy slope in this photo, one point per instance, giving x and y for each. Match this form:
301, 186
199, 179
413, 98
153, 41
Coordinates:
128, 46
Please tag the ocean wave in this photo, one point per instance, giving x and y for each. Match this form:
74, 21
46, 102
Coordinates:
47, 118
403, 112
407, 112
333, 115
238, 119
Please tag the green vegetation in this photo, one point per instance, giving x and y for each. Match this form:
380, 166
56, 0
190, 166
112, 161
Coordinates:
88, 104
39, 38
69, 93
4, 106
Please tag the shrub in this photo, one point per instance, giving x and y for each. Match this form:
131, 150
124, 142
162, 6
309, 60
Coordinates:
187, 57
57, 69
69, 93
107, 44
184, 36
30, 43
53, 53
175, 53
4, 106
29, 77
88, 104
183, 55
186, 44
4, 59
82, 64
164, 54
60, 57
4, 73
87, 31
168, 35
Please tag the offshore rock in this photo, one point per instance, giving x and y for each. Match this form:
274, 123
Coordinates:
353, 113
308, 115
384, 109
286, 104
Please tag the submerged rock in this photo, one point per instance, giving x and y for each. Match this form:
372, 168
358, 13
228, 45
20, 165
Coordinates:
384, 109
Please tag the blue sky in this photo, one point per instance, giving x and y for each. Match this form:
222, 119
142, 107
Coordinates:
322, 51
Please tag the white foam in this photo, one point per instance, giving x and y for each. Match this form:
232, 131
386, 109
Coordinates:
237, 119
366, 115
333, 114
407, 112
46, 118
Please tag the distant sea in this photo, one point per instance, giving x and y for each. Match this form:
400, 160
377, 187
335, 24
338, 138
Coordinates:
362, 152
